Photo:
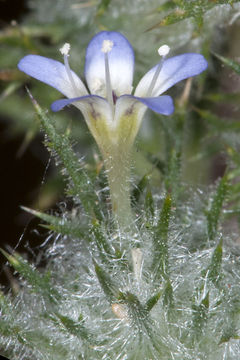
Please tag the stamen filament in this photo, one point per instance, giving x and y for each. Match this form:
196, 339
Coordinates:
106, 48
162, 51
108, 81
65, 52
154, 79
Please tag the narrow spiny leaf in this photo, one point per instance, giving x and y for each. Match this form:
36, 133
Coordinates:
75, 328
160, 258
58, 224
214, 270
200, 314
141, 186
60, 144
149, 206
107, 284
168, 295
152, 301
100, 239
40, 283
235, 66
213, 215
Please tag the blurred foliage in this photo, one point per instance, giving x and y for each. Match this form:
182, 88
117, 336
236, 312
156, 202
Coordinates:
179, 10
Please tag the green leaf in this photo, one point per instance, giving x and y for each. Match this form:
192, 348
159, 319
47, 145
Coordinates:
105, 251
103, 6
160, 239
213, 215
152, 301
59, 143
235, 66
108, 286
200, 314
168, 295
32, 339
149, 206
172, 180
139, 317
187, 9
137, 312
139, 189
228, 334
5, 304
157, 163
71, 326
214, 269
168, 5
58, 224
175, 16
40, 283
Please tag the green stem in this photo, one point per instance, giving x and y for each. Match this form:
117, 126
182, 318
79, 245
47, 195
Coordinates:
117, 165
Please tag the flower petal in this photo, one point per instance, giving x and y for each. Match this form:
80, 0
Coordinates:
88, 102
129, 112
161, 104
121, 64
173, 70
51, 72
97, 114
92, 106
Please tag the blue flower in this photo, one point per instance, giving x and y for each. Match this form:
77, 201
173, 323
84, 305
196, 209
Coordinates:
113, 114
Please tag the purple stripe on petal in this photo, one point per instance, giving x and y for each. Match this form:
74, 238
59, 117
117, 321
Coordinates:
95, 110
161, 104
60, 104
121, 63
51, 72
173, 70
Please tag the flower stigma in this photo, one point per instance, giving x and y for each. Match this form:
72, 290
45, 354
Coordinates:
107, 46
163, 52
64, 50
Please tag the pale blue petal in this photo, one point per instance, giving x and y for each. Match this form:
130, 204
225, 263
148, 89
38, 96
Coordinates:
173, 70
121, 64
92, 106
60, 104
97, 114
161, 104
51, 72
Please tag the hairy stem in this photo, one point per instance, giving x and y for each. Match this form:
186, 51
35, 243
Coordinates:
117, 165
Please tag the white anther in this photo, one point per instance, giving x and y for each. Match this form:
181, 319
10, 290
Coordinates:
65, 52
163, 50
65, 49
97, 85
107, 46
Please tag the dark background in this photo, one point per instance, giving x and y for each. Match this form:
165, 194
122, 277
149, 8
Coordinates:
20, 176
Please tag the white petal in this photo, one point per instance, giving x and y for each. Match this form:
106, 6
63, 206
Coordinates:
121, 64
